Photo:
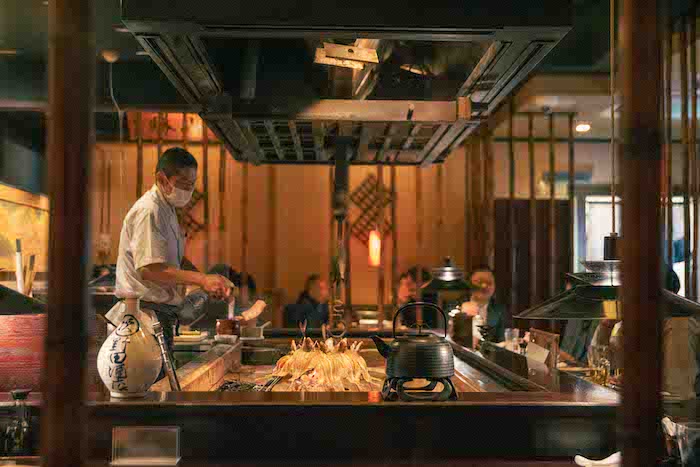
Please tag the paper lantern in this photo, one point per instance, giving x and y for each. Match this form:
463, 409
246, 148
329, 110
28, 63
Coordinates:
375, 248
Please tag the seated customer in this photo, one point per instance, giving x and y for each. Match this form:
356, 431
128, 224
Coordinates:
407, 292
314, 302
482, 304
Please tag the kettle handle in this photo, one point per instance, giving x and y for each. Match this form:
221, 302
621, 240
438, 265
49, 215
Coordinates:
417, 304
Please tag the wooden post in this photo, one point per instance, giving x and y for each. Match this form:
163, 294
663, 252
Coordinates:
488, 211
512, 228
71, 139
244, 234
468, 202
695, 189
552, 212
686, 155
185, 131
272, 226
572, 192
668, 46
205, 189
394, 240
139, 155
478, 205
440, 224
533, 210
348, 276
222, 201
159, 129
380, 227
641, 294
331, 244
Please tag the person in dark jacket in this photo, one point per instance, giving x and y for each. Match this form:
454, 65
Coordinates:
313, 302
481, 302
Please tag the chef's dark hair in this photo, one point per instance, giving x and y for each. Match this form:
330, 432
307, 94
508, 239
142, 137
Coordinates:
413, 274
310, 281
175, 159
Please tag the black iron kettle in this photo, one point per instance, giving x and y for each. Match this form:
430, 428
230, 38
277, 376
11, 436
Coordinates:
423, 355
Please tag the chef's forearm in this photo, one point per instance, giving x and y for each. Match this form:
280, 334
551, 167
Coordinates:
166, 274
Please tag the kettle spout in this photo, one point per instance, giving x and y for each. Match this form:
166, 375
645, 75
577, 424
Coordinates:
383, 348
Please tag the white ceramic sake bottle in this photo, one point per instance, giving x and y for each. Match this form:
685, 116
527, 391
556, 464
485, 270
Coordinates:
129, 361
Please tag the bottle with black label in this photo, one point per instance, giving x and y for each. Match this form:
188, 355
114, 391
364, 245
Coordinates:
18, 436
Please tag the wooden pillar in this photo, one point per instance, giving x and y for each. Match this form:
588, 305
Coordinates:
572, 192
533, 211
686, 155
205, 189
512, 227
468, 222
244, 234
272, 226
641, 294
419, 237
185, 131
380, 227
488, 197
159, 130
553, 275
440, 224
695, 189
394, 240
139, 154
222, 201
477, 205
348, 269
71, 139
668, 55
331, 244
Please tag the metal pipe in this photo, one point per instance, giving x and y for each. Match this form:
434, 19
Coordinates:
641, 294
552, 212
71, 136
166, 357
686, 155
533, 212
572, 192
668, 46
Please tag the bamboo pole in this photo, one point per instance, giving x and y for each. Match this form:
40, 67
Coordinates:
695, 189
686, 155
244, 234
205, 189
71, 136
419, 238
668, 45
139, 155
512, 227
552, 212
394, 240
641, 295
272, 227
222, 201
572, 192
380, 227
533, 210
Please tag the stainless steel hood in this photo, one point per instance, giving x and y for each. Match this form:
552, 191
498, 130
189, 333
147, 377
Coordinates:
595, 295
253, 67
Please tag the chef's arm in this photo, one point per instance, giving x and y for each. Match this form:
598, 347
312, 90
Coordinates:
163, 273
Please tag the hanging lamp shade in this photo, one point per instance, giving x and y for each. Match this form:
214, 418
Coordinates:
375, 248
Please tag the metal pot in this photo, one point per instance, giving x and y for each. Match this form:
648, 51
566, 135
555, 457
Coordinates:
423, 355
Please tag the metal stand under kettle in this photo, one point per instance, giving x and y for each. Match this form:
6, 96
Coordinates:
422, 356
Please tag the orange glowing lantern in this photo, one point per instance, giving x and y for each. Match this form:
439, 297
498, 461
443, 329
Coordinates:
375, 248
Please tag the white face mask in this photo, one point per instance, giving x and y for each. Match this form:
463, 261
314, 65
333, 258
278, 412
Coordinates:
179, 197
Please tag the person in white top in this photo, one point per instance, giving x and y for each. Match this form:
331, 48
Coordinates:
151, 245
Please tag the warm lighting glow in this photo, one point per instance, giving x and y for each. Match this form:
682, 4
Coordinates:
375, 248
583, 127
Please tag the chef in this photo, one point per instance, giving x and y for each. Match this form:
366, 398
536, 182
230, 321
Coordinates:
152, 246
482, 306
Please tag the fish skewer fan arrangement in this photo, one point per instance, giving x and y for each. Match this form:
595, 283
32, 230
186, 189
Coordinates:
324, 366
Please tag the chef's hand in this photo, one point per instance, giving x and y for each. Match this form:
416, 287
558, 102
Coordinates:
254, 311
217, 286
470, 308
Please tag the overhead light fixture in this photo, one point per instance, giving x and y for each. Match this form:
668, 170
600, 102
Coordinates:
142, 53
9, 52
583, 127
120, 28
375, 248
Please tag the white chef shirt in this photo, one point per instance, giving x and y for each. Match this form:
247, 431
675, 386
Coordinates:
150, 235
